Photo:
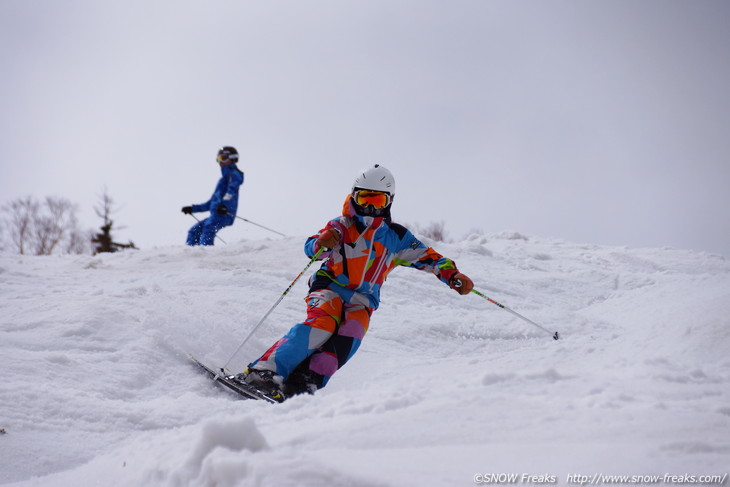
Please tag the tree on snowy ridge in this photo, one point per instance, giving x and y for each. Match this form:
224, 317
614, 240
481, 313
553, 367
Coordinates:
18, 220
103, 240
42, 228
54, 226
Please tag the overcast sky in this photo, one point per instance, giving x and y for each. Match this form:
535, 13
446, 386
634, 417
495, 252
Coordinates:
601, 122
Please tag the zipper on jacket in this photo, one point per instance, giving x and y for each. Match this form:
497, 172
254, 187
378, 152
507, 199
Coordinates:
370, 253
380, 267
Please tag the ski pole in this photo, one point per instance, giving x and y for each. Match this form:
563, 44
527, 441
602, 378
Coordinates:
216, 235
254, 223
245, 340
555, 335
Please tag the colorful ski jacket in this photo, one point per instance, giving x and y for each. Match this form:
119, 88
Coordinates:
369, 249
226, 192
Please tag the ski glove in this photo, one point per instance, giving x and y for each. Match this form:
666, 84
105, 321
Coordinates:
461, 283
188, 210
329, 238
221, 210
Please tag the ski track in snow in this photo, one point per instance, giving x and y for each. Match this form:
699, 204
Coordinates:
98, 389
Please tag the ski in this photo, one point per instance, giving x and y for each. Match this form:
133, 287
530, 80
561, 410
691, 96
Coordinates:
244, 390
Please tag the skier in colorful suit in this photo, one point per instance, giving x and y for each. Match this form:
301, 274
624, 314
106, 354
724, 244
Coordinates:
222, 205
361, 247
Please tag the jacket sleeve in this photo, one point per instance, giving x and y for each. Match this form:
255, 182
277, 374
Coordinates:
202, 207
311, 247
415, 253
207, 206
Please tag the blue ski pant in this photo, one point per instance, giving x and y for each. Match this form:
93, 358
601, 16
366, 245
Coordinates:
203, 232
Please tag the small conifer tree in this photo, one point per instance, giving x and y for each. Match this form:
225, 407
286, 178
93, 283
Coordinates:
103, 241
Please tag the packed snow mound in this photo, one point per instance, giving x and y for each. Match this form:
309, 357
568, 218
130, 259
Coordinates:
98, 388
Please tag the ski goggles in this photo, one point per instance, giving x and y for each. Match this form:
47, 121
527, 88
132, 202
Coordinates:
226, 157
376, 199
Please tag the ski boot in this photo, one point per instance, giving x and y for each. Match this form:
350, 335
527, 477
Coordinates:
265, 381
302, 381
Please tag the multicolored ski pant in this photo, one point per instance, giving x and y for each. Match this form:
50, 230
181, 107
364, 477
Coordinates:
329, 337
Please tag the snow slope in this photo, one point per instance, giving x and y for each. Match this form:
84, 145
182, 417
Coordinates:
97, 388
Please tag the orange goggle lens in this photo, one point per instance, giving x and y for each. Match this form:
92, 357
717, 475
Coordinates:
376, 199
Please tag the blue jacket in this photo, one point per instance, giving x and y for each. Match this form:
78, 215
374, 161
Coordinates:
226, 192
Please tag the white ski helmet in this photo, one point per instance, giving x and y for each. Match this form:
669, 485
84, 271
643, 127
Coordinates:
375, 178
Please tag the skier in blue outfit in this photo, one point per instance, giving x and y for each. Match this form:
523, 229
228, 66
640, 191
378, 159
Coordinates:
222, 205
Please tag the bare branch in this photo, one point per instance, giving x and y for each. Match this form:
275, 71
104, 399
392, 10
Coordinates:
38, 228
21, 215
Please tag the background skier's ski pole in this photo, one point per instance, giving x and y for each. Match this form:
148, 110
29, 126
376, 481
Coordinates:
254, 223
216, 235
245, 340
555, 335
